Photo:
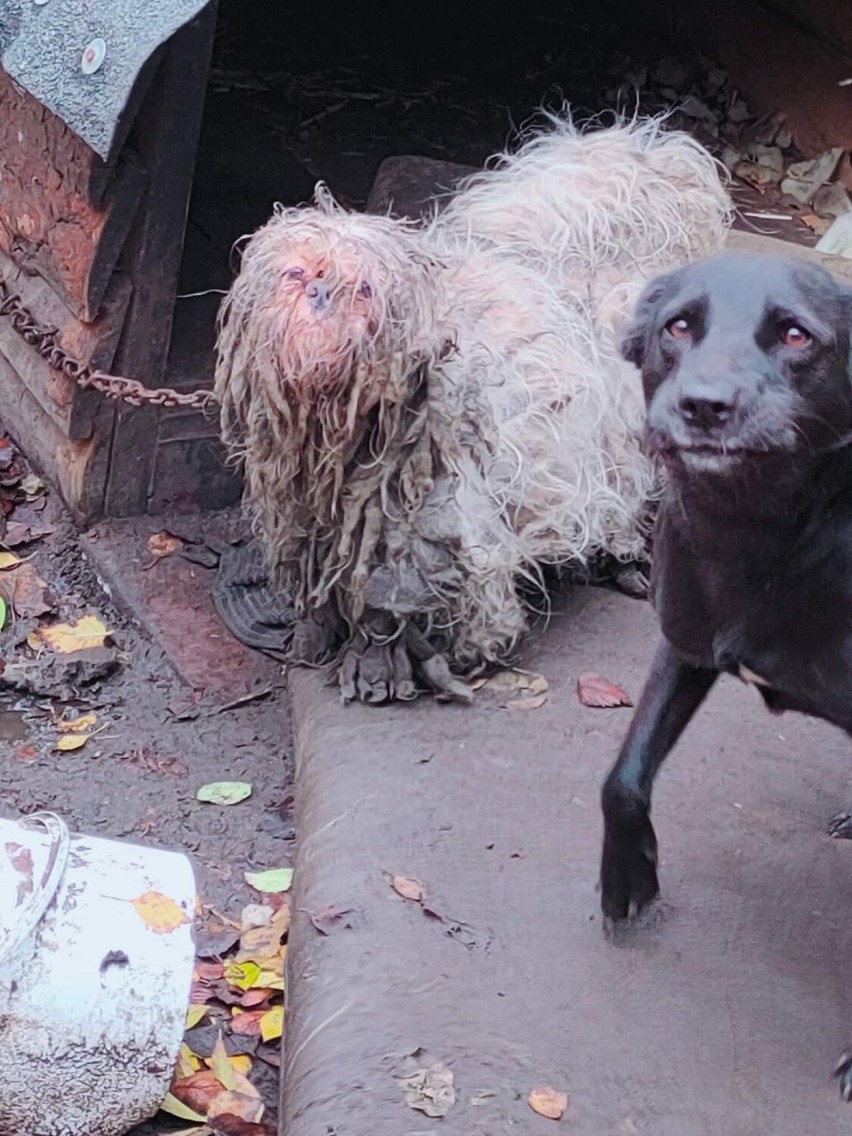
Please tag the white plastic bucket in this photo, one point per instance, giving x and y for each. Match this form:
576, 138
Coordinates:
92, 999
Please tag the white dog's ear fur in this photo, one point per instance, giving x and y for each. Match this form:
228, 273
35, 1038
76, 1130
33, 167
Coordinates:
634, 342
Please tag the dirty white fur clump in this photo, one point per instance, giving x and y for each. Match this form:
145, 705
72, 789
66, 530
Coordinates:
426, 415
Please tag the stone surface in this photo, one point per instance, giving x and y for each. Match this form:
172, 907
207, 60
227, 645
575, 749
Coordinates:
724, 1012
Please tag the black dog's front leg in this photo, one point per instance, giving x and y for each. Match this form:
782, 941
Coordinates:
674, 691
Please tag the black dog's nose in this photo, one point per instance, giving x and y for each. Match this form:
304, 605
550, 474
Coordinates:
705, 412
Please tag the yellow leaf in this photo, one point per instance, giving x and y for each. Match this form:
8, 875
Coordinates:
159, 913
187, 1062
270, 979
77, 725
196, 1012
272, 1023
221, 1067
64, 638
8, 560
34, 641
242, 975
173, 1106
548, 1102
71, 741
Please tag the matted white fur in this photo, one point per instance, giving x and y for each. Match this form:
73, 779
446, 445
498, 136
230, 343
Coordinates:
426, 415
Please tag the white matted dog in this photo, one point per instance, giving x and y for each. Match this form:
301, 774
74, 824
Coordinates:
426, 415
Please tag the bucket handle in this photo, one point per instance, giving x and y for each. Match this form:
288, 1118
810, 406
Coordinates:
42, 895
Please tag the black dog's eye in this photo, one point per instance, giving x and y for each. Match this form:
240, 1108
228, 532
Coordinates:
794, 336
679, 328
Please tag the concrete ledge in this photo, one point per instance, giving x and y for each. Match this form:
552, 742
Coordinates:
724, 1014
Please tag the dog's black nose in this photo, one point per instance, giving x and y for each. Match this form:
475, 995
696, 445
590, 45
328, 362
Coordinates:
706, 412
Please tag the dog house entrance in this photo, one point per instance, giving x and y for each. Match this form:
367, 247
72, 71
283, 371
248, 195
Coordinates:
297, 94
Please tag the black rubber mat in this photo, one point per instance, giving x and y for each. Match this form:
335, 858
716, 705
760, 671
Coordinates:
253, 610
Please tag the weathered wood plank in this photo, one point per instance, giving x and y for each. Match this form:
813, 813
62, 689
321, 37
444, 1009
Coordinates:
828, 20
779, 67
49, 181
77, 467
166, 139
73, 410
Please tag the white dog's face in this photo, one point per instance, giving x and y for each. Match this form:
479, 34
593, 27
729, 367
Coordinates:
322, 307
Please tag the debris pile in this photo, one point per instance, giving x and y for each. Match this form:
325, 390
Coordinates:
48, 646
236, 1016
758, 150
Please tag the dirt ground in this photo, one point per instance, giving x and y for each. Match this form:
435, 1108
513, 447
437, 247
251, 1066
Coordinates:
154, 744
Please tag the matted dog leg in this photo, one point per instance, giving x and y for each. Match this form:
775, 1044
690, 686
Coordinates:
632, 579
674, 691
435, 668
843, 1070
840, 826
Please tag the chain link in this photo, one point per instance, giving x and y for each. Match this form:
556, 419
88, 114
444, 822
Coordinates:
43, 340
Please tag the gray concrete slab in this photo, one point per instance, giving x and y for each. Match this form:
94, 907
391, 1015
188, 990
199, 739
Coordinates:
723, 1015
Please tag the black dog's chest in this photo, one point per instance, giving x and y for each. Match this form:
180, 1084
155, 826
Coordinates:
787, 634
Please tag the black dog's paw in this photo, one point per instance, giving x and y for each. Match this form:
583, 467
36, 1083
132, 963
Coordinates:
629, 871
843, 1071
840, 826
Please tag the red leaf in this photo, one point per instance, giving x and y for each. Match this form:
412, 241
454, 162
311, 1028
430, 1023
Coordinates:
595, 690
197, 1090
248, 1025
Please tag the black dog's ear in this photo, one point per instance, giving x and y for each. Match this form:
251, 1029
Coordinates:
634, 342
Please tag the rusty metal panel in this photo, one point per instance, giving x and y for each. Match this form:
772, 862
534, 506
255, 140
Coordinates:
81, 58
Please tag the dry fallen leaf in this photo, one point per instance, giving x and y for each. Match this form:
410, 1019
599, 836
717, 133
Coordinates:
25, 590
535, 702
197, 1090
430, 1090
195, 1013
220, 1065
163, 543
271, 881
508, 680
257, 942
77, 725
159, 913
597, 691
548, 1102
224, 792
19, 533
173, 1107
9, 560
32, 485
408, 889
246, 1023
242, 1105
70, 742
272, 1023
83, 635
187, 1062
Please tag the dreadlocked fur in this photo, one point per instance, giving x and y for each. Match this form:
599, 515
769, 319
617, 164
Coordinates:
425, 415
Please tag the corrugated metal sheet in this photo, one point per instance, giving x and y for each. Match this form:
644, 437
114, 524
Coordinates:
43, 43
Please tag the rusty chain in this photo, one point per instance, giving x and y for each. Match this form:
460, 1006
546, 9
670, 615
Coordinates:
43, 340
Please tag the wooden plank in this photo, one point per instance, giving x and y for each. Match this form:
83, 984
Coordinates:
166, 139
828, 20
77, 467
779, 67
73, 410
48, 221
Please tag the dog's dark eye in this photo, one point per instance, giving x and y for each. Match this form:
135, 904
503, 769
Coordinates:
679, 328
794, 336
295, 274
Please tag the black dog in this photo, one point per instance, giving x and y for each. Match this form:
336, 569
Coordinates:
748, 382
